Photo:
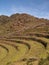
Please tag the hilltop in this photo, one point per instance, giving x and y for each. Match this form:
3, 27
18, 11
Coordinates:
22, 24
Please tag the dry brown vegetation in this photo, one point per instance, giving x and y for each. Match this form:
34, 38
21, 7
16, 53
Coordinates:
24, 40
22, 24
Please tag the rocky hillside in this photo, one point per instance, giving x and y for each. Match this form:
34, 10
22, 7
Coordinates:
22, 24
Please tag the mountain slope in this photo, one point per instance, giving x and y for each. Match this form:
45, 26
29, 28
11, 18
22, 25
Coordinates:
22, 24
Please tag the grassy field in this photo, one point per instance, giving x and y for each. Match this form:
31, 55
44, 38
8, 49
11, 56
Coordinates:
24, 50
